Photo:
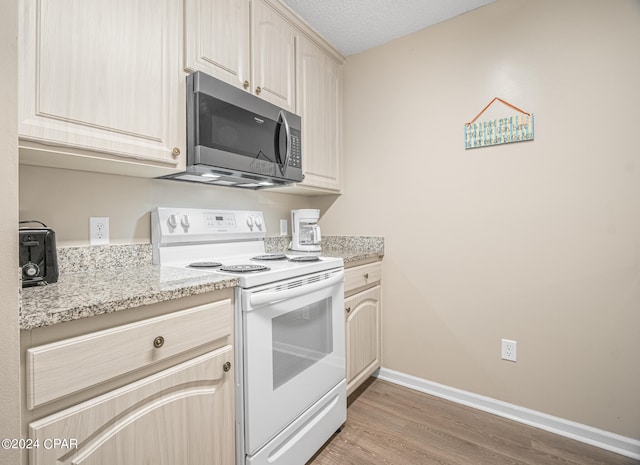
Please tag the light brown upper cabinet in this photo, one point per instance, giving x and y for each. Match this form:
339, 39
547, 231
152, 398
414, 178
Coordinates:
220, 36
101, 87
319, 104
102, 84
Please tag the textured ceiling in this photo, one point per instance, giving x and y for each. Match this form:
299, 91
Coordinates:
353, 26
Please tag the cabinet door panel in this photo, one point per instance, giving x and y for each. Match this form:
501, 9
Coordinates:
183, 415
273, 45
363, 336
74, 51
102, 76
319, 104
217, 39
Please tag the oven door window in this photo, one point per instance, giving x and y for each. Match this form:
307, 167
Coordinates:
300, 339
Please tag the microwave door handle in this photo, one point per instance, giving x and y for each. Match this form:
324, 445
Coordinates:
283, 166
261, 298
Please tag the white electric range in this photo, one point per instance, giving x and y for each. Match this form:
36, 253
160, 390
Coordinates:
289, 329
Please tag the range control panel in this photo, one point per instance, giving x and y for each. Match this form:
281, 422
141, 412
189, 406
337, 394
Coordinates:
186, 225
220, 220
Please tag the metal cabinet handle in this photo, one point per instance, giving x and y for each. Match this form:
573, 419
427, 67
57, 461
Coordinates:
227, 366
366, 276
348, 309
258, 90
175, 152
158, 342
246, 84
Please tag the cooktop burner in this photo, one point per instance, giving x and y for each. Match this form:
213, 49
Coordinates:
271, 256
244, 268
205, 265
305, 258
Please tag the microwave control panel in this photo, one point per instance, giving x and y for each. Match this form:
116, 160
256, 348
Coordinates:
295, 158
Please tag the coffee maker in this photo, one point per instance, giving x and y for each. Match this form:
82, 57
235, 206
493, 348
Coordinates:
305, 230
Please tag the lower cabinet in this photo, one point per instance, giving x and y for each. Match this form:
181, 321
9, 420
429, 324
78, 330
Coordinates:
152, 385
362, 313
182, 415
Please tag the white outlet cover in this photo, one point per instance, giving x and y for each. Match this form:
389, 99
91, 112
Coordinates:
283, 227
509, 350
98, 230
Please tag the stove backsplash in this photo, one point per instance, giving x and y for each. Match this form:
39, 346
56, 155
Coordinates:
276, 244
102, 257
370, 244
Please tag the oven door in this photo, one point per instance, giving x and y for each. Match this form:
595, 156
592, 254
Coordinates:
294, 350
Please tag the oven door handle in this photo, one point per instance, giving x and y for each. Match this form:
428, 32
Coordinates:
262, 298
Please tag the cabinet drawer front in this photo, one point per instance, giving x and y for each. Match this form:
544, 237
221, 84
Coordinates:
64, 367
360, 276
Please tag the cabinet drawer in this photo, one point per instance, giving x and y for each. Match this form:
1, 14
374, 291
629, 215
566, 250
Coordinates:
64, 367
363, 275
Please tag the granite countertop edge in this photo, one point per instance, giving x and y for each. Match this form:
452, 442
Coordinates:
81, 295
84, 289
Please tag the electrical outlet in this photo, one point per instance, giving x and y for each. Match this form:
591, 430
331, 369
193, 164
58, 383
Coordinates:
509, 350
98, 230
283, 227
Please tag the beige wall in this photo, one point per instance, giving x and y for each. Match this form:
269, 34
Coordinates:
9, 285
537, 241
65, 199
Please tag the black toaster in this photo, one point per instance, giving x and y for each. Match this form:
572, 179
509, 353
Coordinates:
38, 256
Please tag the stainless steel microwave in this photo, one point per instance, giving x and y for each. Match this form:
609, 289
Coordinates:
237, 139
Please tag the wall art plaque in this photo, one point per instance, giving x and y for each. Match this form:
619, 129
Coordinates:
516, 128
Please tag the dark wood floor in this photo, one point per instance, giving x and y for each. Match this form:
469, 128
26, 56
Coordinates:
393, 425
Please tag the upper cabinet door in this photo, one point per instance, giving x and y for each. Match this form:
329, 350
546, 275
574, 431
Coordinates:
217, 39
319, 105
273, 45
103, 76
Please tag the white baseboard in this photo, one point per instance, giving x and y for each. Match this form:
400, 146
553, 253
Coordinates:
613, 442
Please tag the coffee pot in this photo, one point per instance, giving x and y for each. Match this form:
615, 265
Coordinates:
305, 230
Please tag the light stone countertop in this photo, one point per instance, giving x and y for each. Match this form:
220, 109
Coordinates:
85, 294
105, 279
353, 249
